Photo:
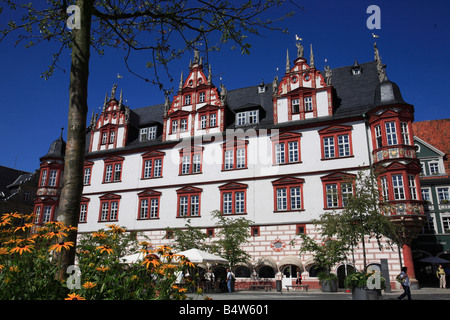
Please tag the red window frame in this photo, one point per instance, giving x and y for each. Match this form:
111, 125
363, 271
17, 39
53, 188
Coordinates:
233, 188
285, 139
334, 132
84, 201
48, 168
148, 195
190, 152
108, 129
234, 145
42, 204
178, 116
207, 111
287, 183
396, 169
188, 192
152, 156
109, 199
87, 165
339, 179
398, 120
113, 161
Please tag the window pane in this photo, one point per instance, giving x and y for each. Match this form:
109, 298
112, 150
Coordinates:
391, 134
117, 170
240, 202
196, 163
328, 147
293, 151
227, 203
228, 159
148, 168
47, 214
296, 202
185, 164
332, 195
343, 145
158, 168
108, 173
240, 158
281, 199
279, 153
114, 207
154, 208
105, 210
183, 206
144, 209
397, 183
87, 176
195, 205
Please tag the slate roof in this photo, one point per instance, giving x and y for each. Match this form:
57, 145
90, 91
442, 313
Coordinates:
57, 149
353, 95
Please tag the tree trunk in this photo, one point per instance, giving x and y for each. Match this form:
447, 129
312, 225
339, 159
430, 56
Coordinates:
69, 205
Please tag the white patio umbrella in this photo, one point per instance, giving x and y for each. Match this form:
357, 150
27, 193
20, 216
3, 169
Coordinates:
133, 258
200, 256
436, 260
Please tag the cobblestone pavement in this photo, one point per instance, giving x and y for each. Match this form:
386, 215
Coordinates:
315, 294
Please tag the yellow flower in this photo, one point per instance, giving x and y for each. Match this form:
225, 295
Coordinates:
62, 245
99, 235
3, 251
115, 228
74, 296
5, 222
89, 285
14, 269
179, 289
55, 234
11, 215
102, 269
151, 260
22, 248
105, 247
24, 227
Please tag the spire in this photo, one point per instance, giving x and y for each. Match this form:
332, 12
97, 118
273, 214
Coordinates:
181, 82
288, 63
105, 102
113, 91
209, 75
311, 58
120, 99
380, 66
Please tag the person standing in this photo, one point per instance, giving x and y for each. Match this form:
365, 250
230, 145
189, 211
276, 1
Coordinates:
229, 279
440, 273
299, 278
405, 284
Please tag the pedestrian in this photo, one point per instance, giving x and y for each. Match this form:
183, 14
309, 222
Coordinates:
440, 273
229, 279
299, 278
403, 276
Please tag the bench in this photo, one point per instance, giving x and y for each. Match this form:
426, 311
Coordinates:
261, 286
297, 286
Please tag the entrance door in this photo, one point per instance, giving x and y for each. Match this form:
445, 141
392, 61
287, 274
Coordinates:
289, 275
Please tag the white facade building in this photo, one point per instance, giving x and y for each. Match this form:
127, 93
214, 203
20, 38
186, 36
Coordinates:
270, 153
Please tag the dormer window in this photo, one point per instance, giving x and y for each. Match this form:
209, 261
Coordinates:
187, 99
308, 103
147, 133
356, 71
261, 88
247, 117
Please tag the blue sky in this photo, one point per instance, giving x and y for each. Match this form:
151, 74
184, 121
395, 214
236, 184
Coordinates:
414, 43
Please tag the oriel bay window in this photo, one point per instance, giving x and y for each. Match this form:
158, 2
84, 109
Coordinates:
288, 194
336, 142
113, 169
399, 186
44, 210
233, 198
149, 204
109, 208
188, 202
389, 132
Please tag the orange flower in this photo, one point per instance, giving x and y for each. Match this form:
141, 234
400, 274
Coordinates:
11, 215
55, 234
115, 228
105, 247
102, 269
74, 296
24, 227
5, 222
3, 251
89, 285
100, 235
62, 245
150, 260
22, 248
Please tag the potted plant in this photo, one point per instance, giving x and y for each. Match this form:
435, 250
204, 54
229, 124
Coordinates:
325, 254
328, 281
362, 283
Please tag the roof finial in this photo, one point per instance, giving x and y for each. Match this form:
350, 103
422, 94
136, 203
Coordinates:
62, 129
181, 82
311, 57
288, 63
121, 98
380, 66
113, 91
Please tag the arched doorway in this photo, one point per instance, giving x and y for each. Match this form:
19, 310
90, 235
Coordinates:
266, 272
342, 272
